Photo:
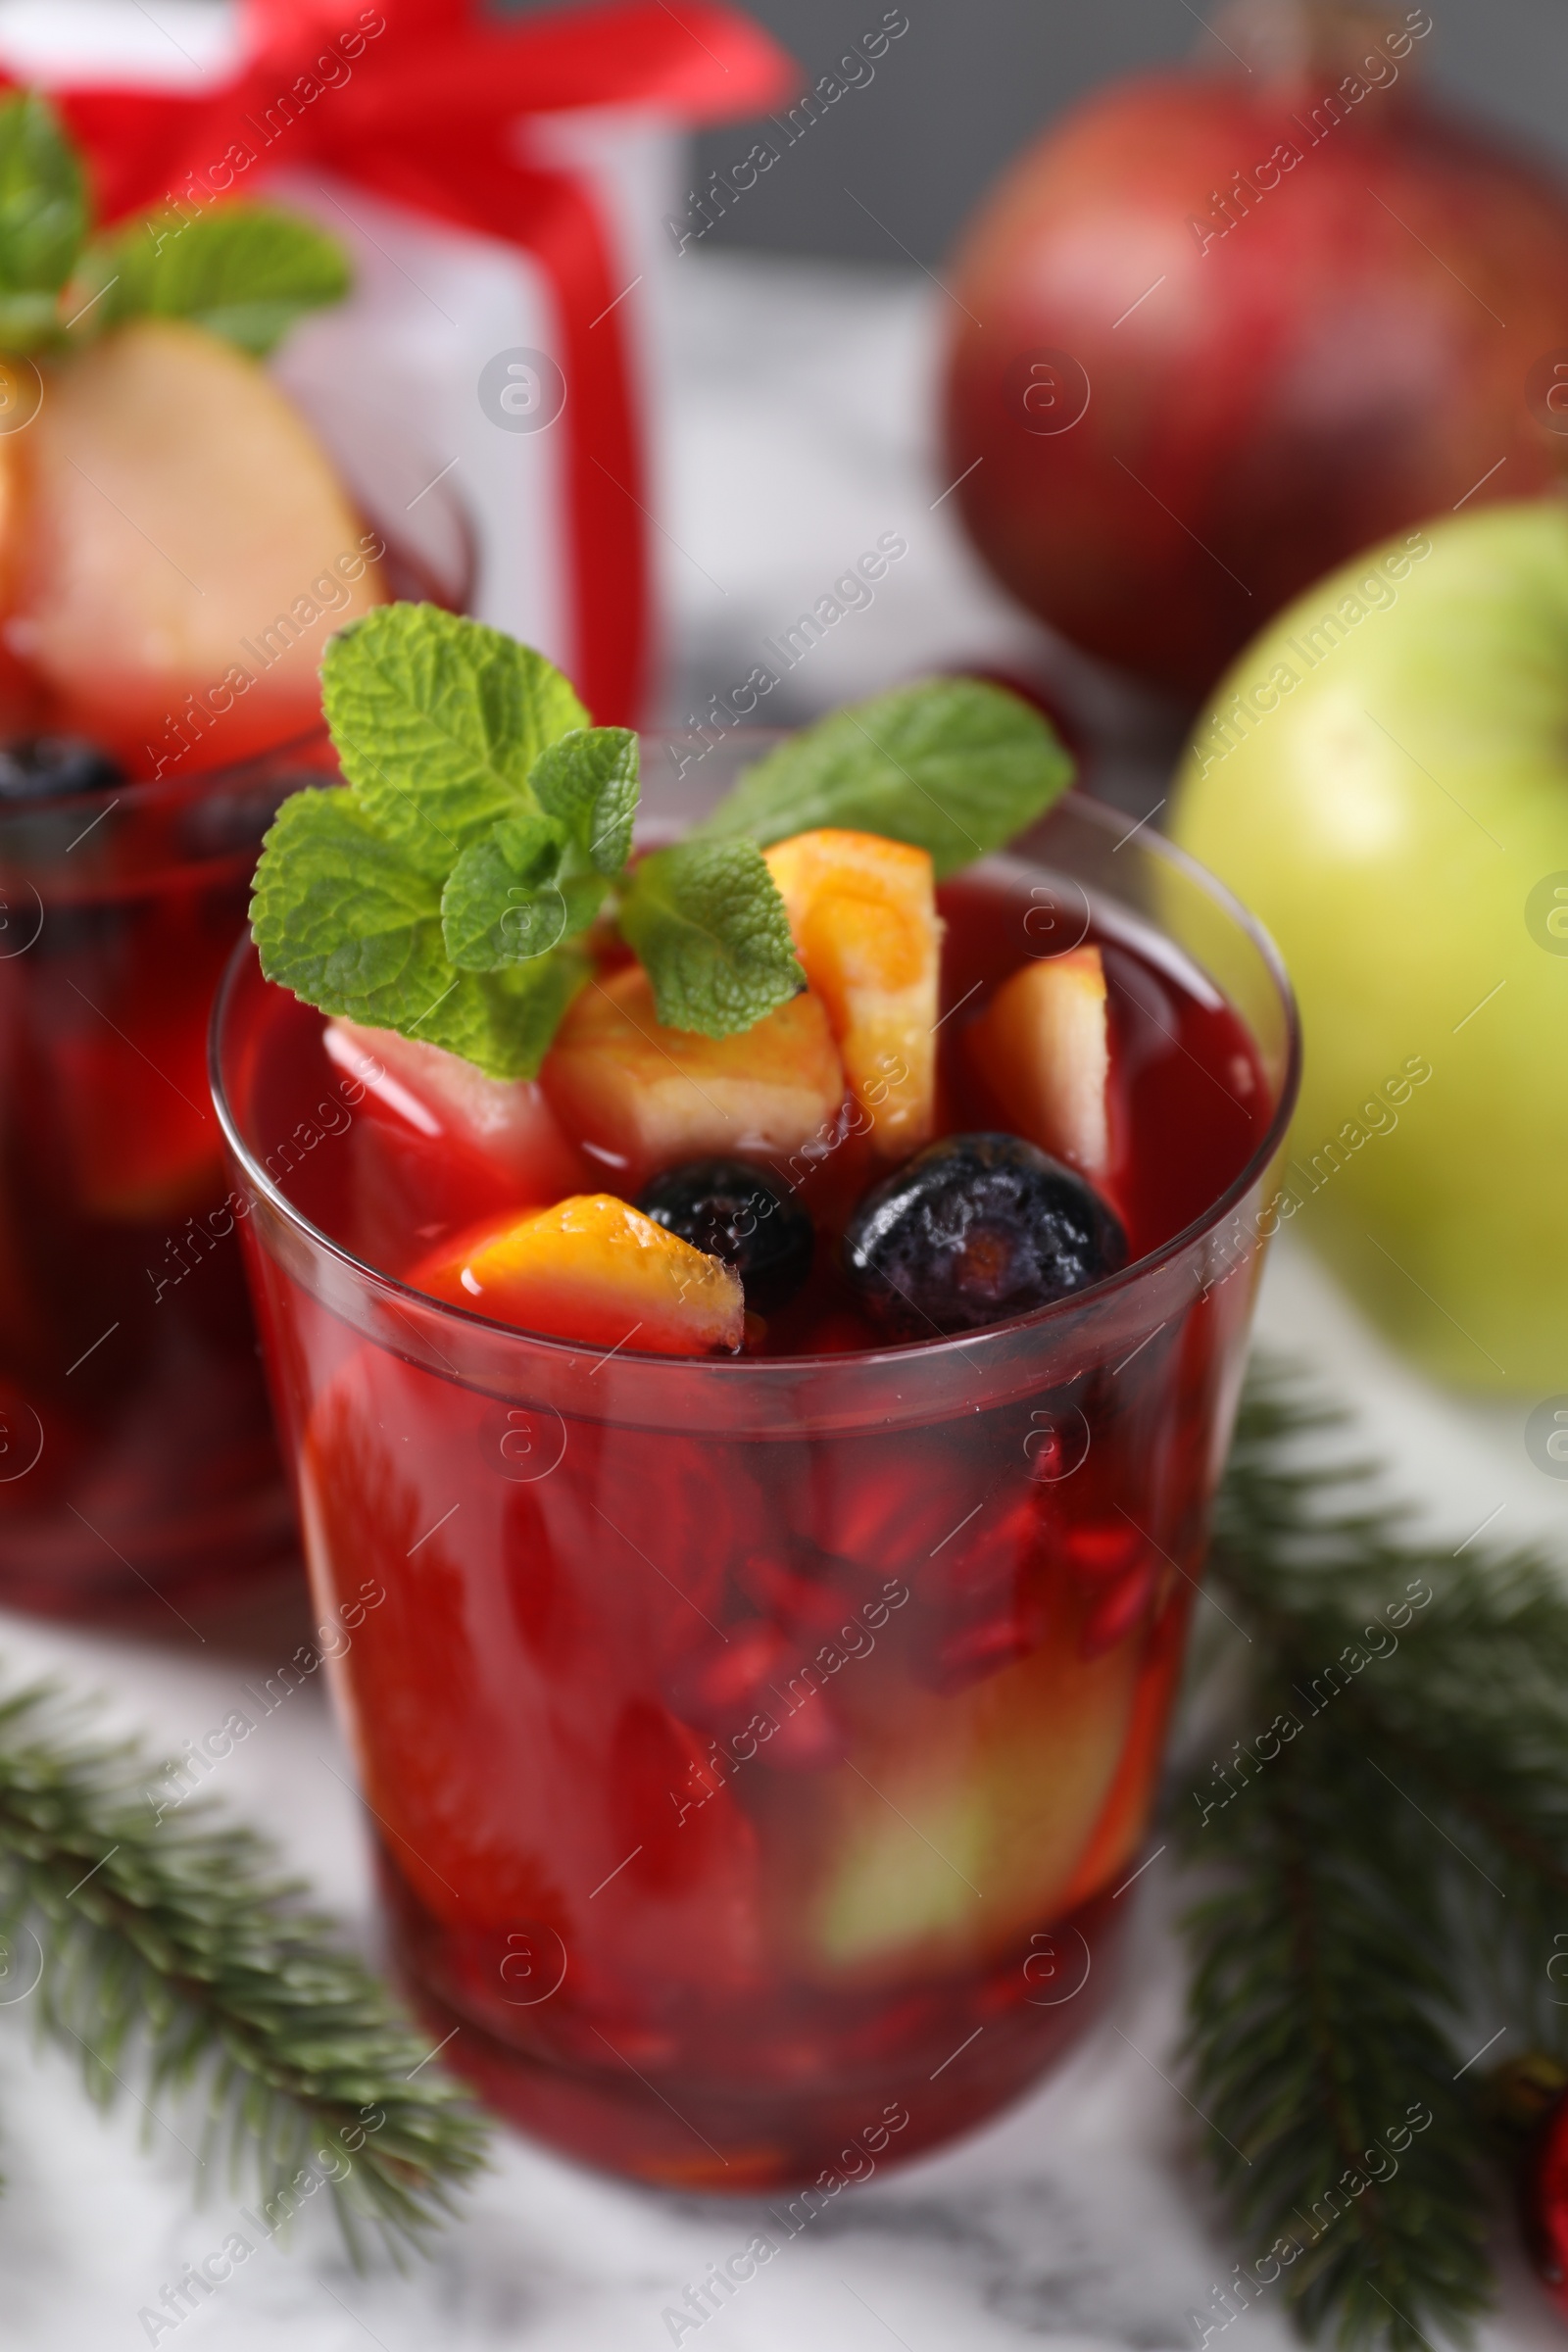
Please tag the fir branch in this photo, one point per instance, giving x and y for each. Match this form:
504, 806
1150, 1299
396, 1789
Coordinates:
182, 1970
1339, 2135
1386, 1854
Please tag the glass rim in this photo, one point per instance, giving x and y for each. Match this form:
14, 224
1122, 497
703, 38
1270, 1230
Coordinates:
1044, 1319
149, 792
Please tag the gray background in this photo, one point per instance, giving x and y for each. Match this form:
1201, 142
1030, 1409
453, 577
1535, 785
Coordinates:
973, 79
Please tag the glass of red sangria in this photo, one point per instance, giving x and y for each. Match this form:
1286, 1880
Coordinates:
762, 1607
138, 1470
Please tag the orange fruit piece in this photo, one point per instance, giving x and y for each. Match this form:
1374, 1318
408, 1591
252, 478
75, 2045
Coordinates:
1043, 1047
863, 912
593, 1270
649, 1096
177, 532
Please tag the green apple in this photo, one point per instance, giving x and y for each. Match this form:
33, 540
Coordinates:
1382, 778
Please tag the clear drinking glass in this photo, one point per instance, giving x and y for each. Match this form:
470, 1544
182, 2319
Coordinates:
137, 1463
756, 1748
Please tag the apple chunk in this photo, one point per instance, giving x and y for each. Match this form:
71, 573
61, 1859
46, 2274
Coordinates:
444, 1099
650, 1098
863, 912
593, 1270
1043, 1047
179, 531
994, 1791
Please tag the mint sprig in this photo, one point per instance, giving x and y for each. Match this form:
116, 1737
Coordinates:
486, 825
438, 892
955, 766
245, 272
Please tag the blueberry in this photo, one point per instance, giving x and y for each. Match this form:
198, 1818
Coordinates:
743, 1216
974, 1229
43, 766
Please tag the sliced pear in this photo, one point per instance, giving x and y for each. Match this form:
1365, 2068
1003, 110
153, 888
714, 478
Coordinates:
1043, 1047
182, 534
649, 1096
863, 912
593, 1270
955, 1822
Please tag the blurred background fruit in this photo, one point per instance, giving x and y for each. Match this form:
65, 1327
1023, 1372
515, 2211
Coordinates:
1221, 328
174, 535
1383, 777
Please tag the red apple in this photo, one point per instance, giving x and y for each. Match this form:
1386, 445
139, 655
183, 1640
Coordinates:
1219, 330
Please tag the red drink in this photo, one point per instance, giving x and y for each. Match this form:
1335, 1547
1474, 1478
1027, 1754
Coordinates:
758, 1747
138, 1461
138, 1456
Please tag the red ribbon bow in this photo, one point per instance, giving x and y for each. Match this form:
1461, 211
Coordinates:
424, 112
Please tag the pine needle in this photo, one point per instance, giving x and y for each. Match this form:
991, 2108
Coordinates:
183, 1972
1385, 1860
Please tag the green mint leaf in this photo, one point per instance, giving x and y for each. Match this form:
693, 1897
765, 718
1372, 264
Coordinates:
43, 218
505, 1022
512, 897
344, 918
502, 903
340, 916
27, 321
954, 766
706, 920
437, 722
589, 780
245, 272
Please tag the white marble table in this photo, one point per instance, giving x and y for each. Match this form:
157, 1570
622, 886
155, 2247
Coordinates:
1082, 2216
